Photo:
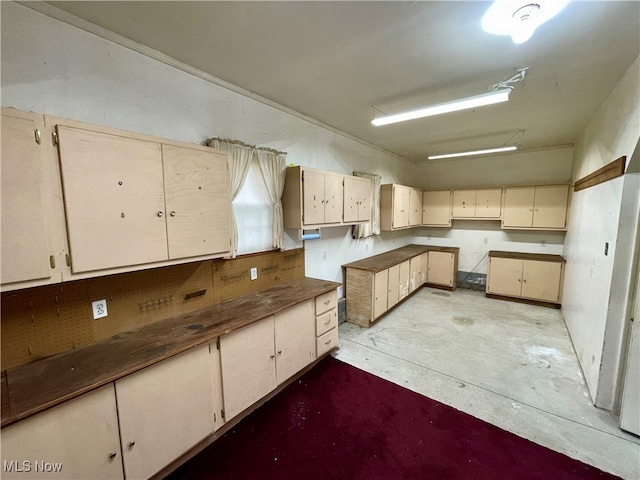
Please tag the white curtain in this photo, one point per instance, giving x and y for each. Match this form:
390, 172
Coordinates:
240, 156
272, 167
372, 227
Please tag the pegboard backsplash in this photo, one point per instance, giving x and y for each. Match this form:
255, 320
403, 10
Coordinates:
43, 321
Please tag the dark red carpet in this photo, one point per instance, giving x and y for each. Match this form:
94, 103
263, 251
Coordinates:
339, 422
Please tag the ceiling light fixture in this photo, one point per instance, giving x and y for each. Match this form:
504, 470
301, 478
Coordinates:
519, 19
474, 152
490, 98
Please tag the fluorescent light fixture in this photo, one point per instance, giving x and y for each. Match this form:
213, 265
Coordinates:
474, 152
490, 98
519, 19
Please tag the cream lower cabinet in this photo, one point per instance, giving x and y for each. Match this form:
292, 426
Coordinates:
442, 269
167, 408
326, 308
257, 358
380, 292
404, 280
532, 277
393, 286
418, 269
76, 440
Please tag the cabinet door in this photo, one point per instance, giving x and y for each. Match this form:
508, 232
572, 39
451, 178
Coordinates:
114, 199
550, 208
436, 208
333, 199
424, 267
464, 204
313, 197
393, 290
518, 207
541, 280
415, 265
401, 200
295, 337
351, 199
196, 184
79, 439
505, 276
415, 207
247, 358
364, 197
405, 273
25, 253
380, 292
441, 268
488, 203
164, 410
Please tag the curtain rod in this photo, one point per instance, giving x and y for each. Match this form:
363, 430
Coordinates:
242, 144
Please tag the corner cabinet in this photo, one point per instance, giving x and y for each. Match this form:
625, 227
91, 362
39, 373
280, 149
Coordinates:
528, 276
536, 208
315, 198
375, 285
132, 201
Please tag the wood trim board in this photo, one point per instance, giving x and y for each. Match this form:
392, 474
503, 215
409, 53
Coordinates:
608, 172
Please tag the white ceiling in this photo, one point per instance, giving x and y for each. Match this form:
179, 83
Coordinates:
333, 61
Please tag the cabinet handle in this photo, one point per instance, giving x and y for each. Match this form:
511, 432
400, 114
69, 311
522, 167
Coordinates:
327, 342
272, 357
327, 302
279, 352
113, 455
132, 443
173, 213
519, 280
159, 214
329, 321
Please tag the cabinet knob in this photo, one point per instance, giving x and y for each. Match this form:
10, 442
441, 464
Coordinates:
113, 455
279, 352
173, 213
159, 214
272, 357
132, 443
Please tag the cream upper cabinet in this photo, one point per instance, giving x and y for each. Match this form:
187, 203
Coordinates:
166, 409
477, 203
396, 207
531, 276
436, 208
539, 207
322, 198
196, 183
357, 199
75, 440
25, 249
133, 201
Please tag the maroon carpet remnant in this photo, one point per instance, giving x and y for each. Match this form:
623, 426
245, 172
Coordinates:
339, 422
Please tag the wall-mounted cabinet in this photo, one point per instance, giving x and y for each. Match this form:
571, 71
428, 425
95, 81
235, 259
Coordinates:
376, 284
536, 208
315, 198
527, 276
132, 201
400, 207
482, 203
436, 208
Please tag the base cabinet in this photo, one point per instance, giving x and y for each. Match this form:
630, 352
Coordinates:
166, 409
257, 358
442, 269
76, 440
531, 277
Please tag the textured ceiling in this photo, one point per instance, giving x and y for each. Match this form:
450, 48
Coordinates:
334, 61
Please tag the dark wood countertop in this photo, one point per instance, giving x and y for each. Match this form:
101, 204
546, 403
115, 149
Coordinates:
33, 387
382, 261
528, 256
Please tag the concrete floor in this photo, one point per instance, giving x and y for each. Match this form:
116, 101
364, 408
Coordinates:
507, 363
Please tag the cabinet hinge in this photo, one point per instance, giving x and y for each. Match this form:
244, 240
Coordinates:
37, 135
68, 258
54, 138
222, 414
218, 343
52, 261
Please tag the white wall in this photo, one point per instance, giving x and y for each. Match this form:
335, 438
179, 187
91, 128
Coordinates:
596, 288
51, 67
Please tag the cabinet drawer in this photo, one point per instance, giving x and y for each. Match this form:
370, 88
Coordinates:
327, 341
326, 302
326, 321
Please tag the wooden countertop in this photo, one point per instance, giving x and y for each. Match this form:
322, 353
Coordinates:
382, 261
528, 256
33, 387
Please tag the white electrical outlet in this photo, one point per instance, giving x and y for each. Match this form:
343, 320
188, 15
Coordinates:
254, 273
99, 308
